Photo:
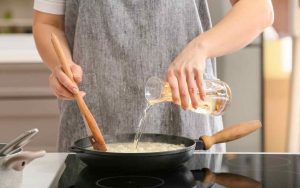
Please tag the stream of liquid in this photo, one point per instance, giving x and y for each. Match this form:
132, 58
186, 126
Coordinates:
212, 105
215, 103
141, 127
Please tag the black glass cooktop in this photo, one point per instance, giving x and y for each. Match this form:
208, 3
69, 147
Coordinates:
203, 170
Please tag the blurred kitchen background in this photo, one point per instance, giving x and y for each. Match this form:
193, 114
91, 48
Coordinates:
263, 77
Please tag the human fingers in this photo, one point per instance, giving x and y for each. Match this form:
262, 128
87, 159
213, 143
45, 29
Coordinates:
68, 98
173, 82
192, 88
183, 89
77, 72
65, 80
58, 89
200, 84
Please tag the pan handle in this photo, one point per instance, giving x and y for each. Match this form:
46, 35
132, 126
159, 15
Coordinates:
75, 149
231, 133
206, 176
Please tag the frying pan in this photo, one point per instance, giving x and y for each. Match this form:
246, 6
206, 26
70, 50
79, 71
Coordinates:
152, 161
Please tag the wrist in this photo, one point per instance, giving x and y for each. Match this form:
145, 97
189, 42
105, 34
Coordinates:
202, 45
53, 68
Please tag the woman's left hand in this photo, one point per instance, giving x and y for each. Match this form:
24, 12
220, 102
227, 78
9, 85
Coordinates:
185, 75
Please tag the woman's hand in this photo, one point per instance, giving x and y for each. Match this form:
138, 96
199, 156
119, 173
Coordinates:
62, 86
185, 75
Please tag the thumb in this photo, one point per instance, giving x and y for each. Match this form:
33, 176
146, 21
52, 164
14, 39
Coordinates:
77, 72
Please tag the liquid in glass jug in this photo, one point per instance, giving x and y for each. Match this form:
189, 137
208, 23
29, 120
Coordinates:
218, 95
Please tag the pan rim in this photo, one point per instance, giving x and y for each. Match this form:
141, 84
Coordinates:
83, 150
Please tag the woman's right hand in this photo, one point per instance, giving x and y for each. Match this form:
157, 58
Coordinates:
63, 87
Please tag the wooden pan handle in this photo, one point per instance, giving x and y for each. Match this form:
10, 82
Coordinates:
97, 138
229, 180
231, 133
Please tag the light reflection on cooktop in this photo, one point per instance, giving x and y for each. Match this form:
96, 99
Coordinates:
130, 181
203, 170
272, 162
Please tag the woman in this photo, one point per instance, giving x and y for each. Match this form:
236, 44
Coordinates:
114, 46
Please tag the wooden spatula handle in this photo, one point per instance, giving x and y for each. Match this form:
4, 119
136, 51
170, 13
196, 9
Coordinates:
231, 133
97, 138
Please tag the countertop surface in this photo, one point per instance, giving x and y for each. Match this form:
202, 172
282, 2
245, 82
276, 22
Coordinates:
44, 172
18, 48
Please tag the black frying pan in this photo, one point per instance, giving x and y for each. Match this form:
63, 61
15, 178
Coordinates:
156, 160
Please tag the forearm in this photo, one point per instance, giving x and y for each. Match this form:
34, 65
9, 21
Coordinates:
42, 29
243, 23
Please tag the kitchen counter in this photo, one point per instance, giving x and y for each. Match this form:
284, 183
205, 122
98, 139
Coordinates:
18, 48
204, 169
44, 172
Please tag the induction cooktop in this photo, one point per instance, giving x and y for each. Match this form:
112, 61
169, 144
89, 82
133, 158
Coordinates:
238, 170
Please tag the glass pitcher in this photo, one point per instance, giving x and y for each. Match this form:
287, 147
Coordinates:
218, 95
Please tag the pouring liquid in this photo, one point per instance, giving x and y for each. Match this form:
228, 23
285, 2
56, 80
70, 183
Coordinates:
141, 127
218, 97
213, 104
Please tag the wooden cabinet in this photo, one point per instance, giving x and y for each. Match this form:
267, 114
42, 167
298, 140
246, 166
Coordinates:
26, 102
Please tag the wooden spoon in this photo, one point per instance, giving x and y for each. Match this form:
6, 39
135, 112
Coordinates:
96, 137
